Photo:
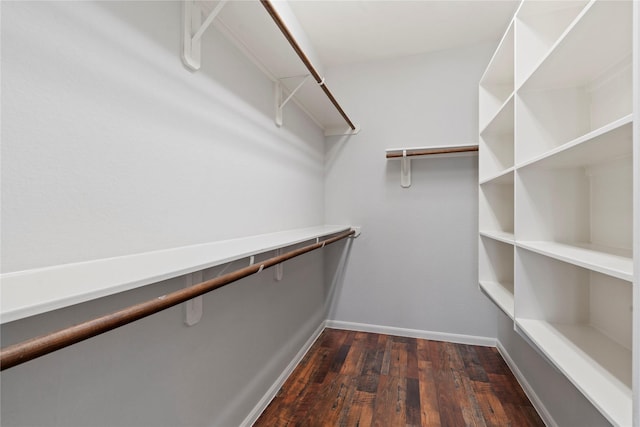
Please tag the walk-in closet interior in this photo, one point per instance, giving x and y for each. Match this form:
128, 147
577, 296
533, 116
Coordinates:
202, 198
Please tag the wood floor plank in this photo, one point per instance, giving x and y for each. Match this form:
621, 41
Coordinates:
390, 404
472, 364
429, 410
469, 406
491, 407
413, 402
398, 363
361, 411
359, 379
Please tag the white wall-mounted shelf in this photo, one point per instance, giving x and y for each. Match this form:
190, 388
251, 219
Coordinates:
504, 176
500, 236
576, 351
496, 142
556, 193
496, 271
501, 293
594, 43
584, 84
582, 321
615, 136
406, 154
497, 82
618, 264
30, 292
540, 25
249, 26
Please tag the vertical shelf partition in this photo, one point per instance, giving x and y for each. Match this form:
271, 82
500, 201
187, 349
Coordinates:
556, 191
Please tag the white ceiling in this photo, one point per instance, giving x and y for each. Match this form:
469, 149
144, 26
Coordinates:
348, 31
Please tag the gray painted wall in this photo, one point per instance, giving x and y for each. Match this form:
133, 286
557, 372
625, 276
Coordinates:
415, 265
110, 147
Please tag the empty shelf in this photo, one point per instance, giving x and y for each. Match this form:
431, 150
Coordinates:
30, 292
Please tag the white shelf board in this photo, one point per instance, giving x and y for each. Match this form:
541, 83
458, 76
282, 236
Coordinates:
587, 48
609, 142
30, 292
502, 121
502, 236
500, 178
531, 8
248, 25
500, 69
598, 366
615, 263
500, 295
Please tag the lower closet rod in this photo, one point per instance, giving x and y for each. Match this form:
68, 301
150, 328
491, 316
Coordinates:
28, 350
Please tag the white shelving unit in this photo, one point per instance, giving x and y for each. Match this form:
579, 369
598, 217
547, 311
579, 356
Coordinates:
556, 191
30, 292
496, 272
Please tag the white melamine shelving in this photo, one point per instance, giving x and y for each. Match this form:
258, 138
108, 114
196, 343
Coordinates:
250, 27
540, 25
501, 236
496, 272
582, 321
496, 142
30, 292
582, 85
496, 206
579, 209
496, 84
556, 178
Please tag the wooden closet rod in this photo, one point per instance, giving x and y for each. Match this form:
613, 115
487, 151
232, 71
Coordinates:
428, 151
28, 350
303, 57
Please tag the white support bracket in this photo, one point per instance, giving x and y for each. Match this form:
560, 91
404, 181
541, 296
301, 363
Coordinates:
405, 170
342, 131
279, 269
279, 94
192, 309
192, 30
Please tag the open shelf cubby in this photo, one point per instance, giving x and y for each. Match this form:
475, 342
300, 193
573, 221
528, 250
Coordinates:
581, 321
496, 142
496, 273
581, 86
496, 84
577, 204
496, 208
540, 25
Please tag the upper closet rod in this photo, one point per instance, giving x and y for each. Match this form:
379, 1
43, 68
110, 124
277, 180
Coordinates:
28, 350
294, 44
412, 152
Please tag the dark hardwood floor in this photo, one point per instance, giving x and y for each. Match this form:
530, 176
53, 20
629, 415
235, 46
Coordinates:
353, 378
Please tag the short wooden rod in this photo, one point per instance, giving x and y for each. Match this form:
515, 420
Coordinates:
431, 151
304, 58
28, 350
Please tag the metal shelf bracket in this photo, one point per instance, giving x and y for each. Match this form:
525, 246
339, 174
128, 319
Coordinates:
279, 94
405, 170
279, 269
192, 309
192, 30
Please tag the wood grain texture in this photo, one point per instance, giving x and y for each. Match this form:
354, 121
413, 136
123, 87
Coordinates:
352, 378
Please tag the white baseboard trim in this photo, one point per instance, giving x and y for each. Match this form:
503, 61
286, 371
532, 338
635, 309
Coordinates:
412, 333
273, 390
528, 390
